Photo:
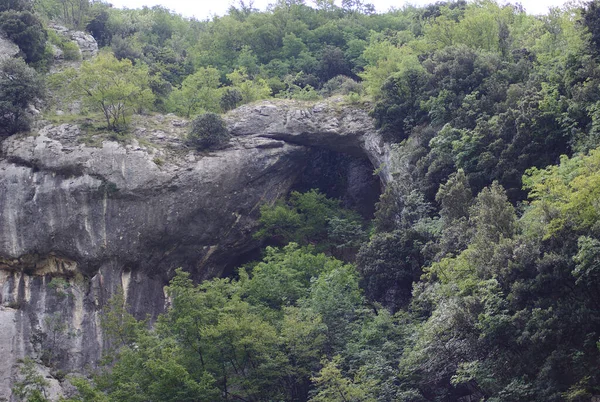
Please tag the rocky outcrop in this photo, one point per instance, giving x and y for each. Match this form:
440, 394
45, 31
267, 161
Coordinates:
79, 222
328, 125
86, 42
88, 47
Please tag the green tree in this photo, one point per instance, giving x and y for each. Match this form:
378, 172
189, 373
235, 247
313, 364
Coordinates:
20, 86
208, 131
333, 386
199, 92
32, 385
230, 99
310, 217
116, 88
27, 31
251, 89
455, 197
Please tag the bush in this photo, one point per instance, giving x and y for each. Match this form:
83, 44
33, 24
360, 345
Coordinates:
69, 48
19, 86
208, 131
27, 32
70, 51
231, 98
341, 85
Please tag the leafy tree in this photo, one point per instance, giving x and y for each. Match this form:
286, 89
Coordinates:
592, 23
332, 386
230, 99
116, 88
250, 89
15, 5
20, 86
310, 217
208, 131
198, 92
389, 265
455, 197
98, 27
332, 63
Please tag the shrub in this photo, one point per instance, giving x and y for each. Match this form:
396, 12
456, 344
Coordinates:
208, 131
19, 86
69, 48
341, 85
231, 98
70, 51
27, 32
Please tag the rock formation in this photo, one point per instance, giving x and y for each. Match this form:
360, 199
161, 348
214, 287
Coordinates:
7, 49
79, 222
88, 47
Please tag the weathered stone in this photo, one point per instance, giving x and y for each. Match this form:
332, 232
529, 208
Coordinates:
88, 47
86, 42
125, 216
7, 49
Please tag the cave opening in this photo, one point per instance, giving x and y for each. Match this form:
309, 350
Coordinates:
344, 177
338, 175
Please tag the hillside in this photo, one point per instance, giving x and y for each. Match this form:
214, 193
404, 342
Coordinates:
309, 203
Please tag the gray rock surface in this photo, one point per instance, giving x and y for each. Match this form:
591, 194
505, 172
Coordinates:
86, 42
88, 47
7, 49
79, 223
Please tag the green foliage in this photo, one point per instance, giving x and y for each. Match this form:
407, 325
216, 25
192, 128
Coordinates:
208, 131
31, 387
199, 92
230, 99
20, 86
250, 89
27, 31
69, 48
256, 338
332, 386
116, 88
118, 325
98, 27
310, 217
455, 197
389, 264
563, 196
15, 5
72, 13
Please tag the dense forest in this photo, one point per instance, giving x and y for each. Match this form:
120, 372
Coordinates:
478, 278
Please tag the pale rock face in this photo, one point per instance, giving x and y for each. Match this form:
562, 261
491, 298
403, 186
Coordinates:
88, 47
86, 42
7, 49
79, 223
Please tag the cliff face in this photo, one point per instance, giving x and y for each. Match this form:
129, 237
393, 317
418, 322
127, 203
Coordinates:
79, 223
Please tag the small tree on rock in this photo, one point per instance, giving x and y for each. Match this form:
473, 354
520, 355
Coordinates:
115, 87
208, 131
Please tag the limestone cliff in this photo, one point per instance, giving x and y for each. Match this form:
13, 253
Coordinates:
79, 222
